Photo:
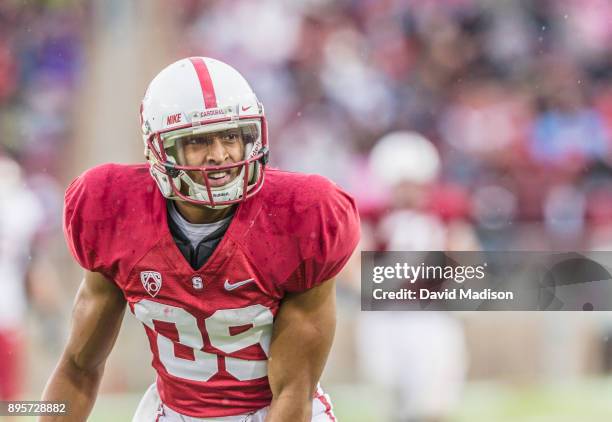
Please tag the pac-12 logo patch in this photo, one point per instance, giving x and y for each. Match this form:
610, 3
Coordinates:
151, 281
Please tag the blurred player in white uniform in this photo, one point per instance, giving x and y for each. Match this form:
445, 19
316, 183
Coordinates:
20, 217
419, 356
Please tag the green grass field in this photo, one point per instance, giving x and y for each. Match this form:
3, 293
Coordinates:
586, 401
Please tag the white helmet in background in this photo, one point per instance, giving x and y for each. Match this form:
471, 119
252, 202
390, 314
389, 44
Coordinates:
405, 156
197, 96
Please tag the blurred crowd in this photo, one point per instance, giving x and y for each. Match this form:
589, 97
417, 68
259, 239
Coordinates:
41, 53
515, 96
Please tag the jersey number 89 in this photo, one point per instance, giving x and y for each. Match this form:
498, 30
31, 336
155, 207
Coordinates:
204, 365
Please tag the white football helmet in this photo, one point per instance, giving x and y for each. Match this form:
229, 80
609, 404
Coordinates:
198, 96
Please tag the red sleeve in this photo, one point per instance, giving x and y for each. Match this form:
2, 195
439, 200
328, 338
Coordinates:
332, 233
85, 224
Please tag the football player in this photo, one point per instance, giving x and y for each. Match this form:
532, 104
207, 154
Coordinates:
20, 222
232, 278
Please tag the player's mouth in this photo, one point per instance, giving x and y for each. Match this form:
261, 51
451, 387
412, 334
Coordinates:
219, 178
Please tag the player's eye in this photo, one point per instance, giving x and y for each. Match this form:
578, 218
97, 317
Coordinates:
231, 137
196, 141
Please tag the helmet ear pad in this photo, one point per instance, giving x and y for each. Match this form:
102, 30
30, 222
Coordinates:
163, 182
174, 174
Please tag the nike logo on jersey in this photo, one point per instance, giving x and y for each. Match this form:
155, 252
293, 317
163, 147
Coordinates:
232, 286
246, 108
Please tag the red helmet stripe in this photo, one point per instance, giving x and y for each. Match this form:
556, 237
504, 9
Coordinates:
208, 91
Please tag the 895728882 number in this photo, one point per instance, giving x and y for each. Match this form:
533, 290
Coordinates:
32, 408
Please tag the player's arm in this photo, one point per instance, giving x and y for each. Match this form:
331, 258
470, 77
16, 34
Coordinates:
96, 319
303, 332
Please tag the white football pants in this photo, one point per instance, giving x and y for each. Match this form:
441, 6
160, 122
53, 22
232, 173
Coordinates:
420, 356
151, 409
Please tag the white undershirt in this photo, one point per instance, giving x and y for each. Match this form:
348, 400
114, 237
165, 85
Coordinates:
195, 232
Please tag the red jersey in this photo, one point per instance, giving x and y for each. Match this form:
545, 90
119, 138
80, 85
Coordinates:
210, 328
